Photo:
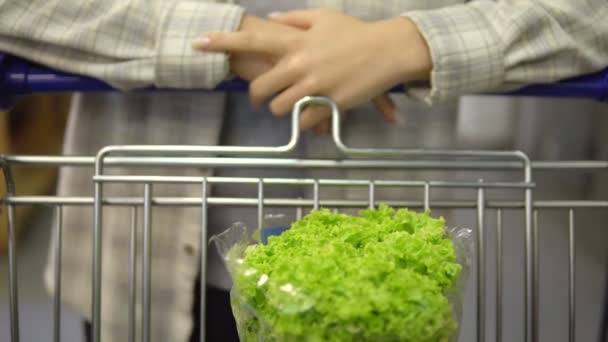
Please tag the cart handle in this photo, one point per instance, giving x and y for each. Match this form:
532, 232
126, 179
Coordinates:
20, 77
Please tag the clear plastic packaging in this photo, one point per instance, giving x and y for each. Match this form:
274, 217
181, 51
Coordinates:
385, 275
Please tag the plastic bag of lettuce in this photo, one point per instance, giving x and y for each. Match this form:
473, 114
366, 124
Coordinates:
385, 275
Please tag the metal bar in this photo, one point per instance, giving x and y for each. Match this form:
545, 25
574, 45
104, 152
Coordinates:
568, 204
87, 161
168, 149
499, 276
260, 204
147, 264
97, 244
203, 270
571, 278
535, 283
372, 195
12, 275
184, 150
316, 195
298, 182
530, 250
427, 196
528, 269
299, 211
22, 77
133, 274
295, 202
13, 295
57, 299
353, 151
481, 272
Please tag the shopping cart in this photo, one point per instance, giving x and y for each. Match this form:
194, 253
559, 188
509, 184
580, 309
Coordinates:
19, 77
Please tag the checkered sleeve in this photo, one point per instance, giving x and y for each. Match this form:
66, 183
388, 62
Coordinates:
128, 43
488, 45
378, 10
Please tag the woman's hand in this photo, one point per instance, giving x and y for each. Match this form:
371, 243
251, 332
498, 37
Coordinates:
335, 55
250, 65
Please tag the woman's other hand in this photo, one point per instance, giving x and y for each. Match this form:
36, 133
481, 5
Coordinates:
334, 55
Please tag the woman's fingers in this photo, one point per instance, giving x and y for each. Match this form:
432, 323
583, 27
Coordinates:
385, 105
249, 66
323, 128
302, 19
270, 83
319, 117
242, 41
313, 116
285, 101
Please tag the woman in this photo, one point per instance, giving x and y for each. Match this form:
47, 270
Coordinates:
133, 44
138, 43
469, 48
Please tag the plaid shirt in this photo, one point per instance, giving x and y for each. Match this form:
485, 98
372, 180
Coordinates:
478, 46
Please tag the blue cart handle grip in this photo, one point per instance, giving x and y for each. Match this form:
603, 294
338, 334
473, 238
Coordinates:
20, 77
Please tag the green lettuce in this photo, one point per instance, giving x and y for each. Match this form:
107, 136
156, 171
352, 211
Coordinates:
384, 275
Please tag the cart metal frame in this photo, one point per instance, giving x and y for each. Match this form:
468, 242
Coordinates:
277, 157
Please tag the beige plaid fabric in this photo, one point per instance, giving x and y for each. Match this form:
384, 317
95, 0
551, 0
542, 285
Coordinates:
129, 43
484, 45
479, 46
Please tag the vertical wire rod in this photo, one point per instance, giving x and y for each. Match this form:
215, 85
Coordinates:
499, 275
12, 275
571, 278
132, 273
481, 274
372, 194
57, 299
260, 203
299, 211
535, 279
147, 264
12, 254
203, 270
529, 278
97, 244
316, 194
427, 196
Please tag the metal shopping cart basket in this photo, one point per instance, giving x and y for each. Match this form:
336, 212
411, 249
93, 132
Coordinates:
19, 77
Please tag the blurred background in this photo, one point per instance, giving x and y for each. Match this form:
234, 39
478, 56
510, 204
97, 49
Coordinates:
34, 126
546, 129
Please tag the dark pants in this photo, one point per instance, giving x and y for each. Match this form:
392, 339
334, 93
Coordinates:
219, 321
